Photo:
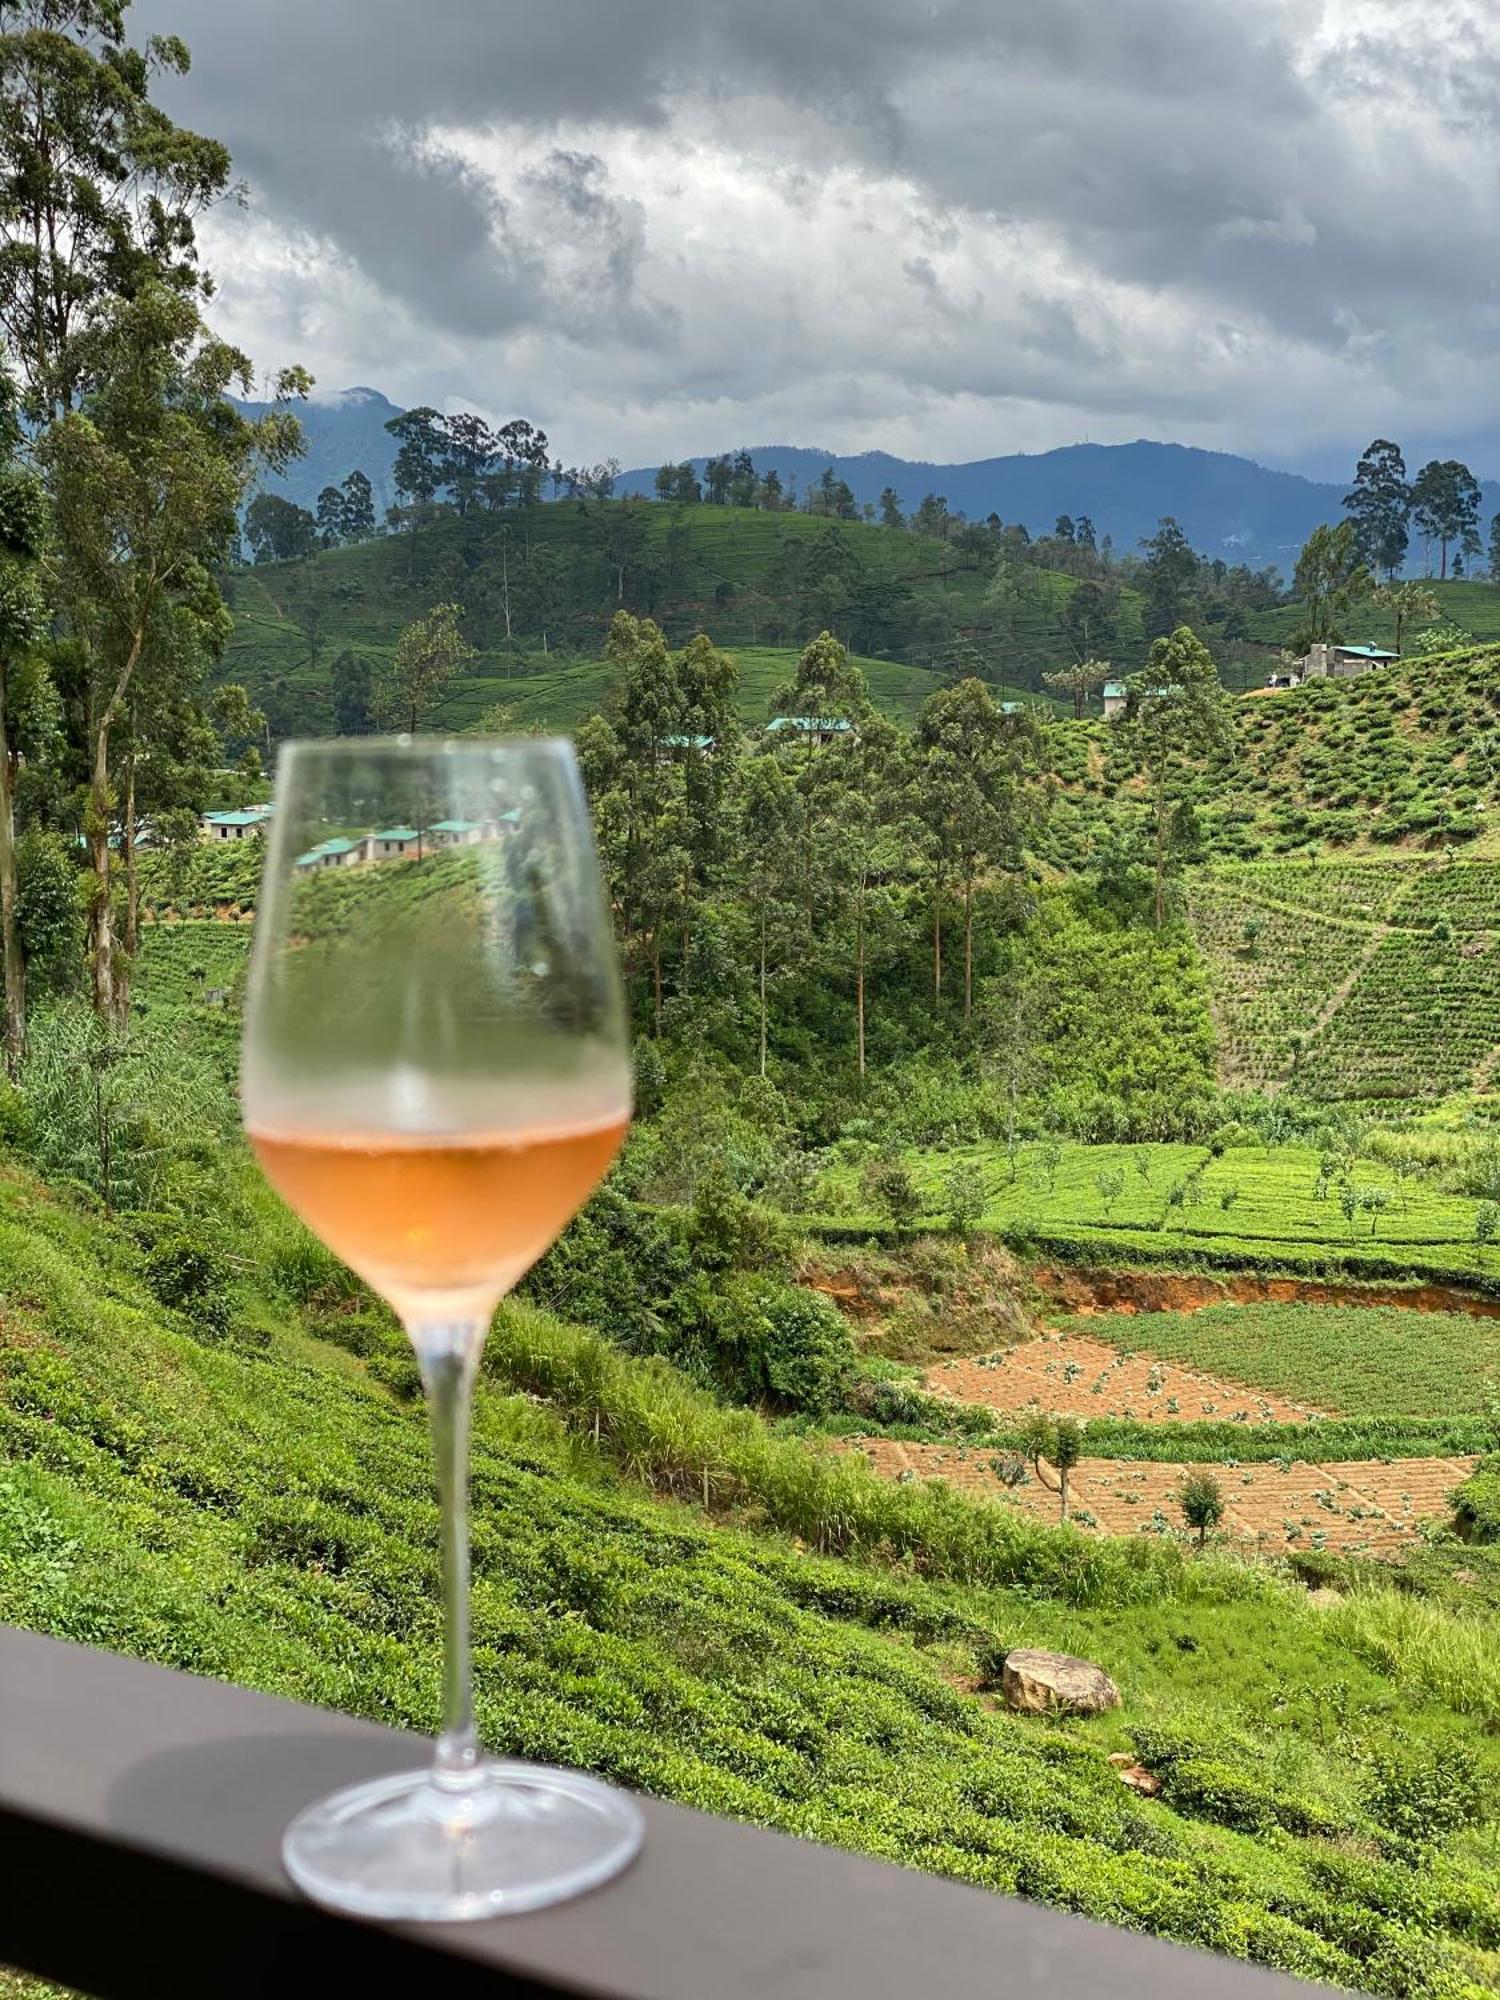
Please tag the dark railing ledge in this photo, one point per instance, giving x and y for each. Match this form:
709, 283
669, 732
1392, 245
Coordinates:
141, 1813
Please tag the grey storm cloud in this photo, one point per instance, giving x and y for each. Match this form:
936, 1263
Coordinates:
1288, 173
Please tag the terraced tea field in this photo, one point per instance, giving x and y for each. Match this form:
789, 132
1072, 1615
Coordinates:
1358, 1361
1362, 1507
1252, 1207
1349, 980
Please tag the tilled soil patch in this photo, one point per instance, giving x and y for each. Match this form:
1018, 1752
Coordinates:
1365, 1506
1072, 1375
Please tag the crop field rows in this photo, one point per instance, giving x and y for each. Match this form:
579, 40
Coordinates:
1272, 975
1362, 1507
1361, 1361
1350, 981
1071, 1374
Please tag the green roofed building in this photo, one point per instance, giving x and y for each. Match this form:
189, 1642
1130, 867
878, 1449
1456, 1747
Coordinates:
394, 841
455, 832
335, 853
234, 825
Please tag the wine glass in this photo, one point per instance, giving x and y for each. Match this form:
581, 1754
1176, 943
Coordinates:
436, 1077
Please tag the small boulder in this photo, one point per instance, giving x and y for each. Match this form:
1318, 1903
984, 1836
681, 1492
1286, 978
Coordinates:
1039, 1682
1324, 1598
1139, 1779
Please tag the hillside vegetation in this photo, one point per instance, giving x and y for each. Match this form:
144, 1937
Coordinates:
1405, 757
750, 579
1372, 979
255, 1504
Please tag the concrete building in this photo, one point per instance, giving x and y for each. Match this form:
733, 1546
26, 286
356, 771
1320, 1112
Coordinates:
1321, 663
234, 825
335, 854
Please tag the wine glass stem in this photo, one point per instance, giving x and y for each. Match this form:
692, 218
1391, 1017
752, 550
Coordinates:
448, 1356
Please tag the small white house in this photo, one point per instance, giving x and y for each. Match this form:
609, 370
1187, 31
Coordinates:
454, 833
335, 854
234, 825
1116, 696
394, 843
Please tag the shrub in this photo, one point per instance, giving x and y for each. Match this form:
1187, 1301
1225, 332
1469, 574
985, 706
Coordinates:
192, 1278
1477, 1502
889, 1185
788, 1346
1420, 1797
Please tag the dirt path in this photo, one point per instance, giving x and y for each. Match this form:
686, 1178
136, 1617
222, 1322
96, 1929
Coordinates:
1362, 1507
1070, 1375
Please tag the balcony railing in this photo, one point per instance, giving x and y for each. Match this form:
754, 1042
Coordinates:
141, 1814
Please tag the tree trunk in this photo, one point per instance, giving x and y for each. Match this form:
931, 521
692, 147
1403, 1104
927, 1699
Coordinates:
859, 984
1062, 1489
656, 982
101, 921
937, 943
132, 872
1161, 861
968, 946
505, 589
10, 935
101, 916
762, 989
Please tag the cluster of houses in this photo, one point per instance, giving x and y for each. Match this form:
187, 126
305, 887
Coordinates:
1318, 663
391, 843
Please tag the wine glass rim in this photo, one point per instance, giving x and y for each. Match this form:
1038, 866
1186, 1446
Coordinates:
447, 745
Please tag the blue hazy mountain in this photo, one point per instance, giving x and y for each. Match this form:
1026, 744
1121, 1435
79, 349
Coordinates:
341, 433
1228, 506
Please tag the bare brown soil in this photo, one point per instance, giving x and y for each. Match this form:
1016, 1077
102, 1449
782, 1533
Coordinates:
1361, 1507
1084, 1291
1070, 1375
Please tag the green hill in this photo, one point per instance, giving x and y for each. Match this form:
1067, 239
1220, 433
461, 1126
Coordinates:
1408, 757
756, 582
1374, 979
253, 1502
1475, 607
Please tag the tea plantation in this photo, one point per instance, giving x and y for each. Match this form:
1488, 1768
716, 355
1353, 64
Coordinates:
256, 1505
1374, 980
1363, 1360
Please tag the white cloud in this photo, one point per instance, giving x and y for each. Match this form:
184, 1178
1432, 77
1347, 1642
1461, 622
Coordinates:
695, 226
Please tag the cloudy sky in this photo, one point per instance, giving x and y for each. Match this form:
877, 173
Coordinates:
948, 228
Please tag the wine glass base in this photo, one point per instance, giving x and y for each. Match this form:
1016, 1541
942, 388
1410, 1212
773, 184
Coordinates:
518, 1838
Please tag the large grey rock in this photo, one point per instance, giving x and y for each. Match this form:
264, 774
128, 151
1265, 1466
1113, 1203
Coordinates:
1039, 1682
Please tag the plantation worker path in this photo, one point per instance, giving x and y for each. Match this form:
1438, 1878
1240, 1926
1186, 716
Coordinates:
1361, 1507
1073, 1375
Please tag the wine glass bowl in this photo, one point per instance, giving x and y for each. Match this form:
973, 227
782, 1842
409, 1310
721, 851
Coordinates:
435, 1077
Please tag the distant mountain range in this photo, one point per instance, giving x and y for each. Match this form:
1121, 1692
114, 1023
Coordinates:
1227, 506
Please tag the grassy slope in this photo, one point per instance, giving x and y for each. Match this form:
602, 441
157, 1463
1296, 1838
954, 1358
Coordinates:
1473, 606
291, 619
259, 1510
